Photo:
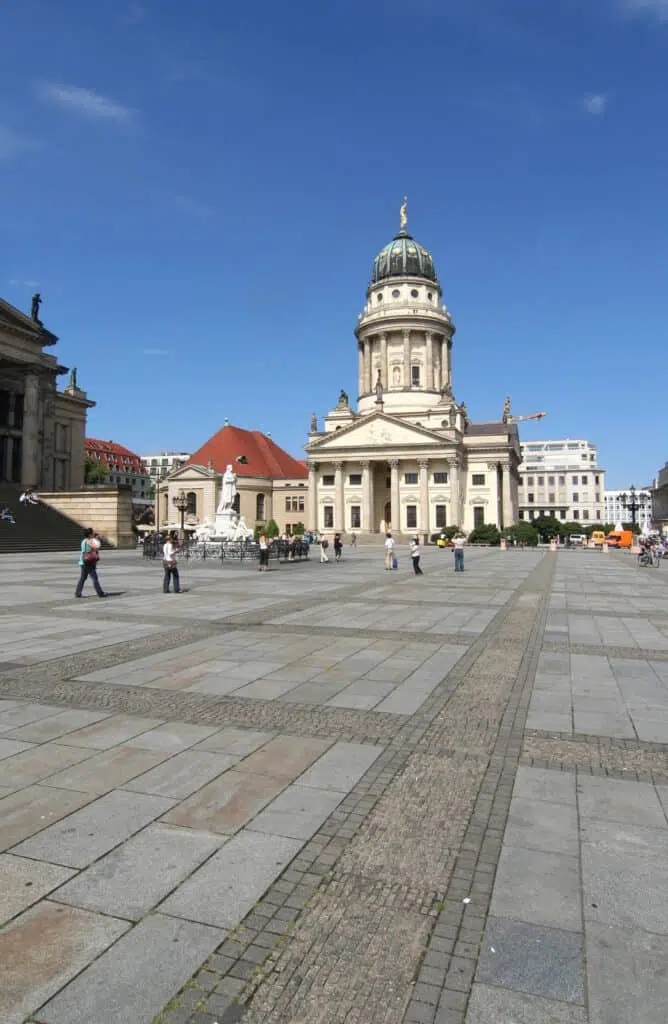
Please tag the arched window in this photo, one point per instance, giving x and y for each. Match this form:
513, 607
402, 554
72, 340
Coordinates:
191, 509
236, 504
259, 508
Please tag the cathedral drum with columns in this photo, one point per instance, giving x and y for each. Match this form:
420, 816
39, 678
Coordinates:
408, 458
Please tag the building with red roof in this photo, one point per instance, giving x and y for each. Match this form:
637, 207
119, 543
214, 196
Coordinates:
124, 467
271, 483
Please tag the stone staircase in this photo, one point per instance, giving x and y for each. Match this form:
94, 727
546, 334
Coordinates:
37, 527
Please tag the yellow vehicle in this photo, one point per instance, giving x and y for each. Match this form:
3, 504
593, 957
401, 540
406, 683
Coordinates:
597, 538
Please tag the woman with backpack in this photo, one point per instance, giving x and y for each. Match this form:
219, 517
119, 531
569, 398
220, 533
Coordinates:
88, 559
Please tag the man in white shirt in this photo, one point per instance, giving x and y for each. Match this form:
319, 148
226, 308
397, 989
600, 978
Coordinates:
458, 543
389, 551
169, 552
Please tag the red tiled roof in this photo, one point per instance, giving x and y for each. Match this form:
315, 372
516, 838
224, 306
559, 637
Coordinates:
109, 451
265, 457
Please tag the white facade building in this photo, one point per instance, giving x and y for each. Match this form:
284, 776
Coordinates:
407, 458
161, 465
616, 510
561, 479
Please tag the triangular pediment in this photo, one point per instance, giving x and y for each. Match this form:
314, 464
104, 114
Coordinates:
15, 320
192, 471
376, 431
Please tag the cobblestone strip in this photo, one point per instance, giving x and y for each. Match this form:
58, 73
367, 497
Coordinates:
369, 886
597, 755
637, 653
445, 978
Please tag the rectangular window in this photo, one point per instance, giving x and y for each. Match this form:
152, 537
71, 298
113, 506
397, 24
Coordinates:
562, 513
575, 481
355, 479
478, 516
328, 481
585, 514
440, 478
328, 511
529, 481
585, 481
598, 496
541, 481
596, 480
521, 514
530, 498
288, 505
598, 513
576, 514
440, 517
355, 517
576, 497
478, 479
410, 478
411, 517
295, 503
415, 376
550, 481
300, 503
551, 498
562, 481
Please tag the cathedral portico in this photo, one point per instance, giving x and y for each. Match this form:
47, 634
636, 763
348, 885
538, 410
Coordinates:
408, 458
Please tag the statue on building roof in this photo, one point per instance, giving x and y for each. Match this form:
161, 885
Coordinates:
72, 381
34, 309
506, 409
403, 214
446, 390
343, 399
379, 387
314, 424
464, 412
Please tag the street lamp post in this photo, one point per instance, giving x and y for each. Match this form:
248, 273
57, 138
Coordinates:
630, 504
180, 502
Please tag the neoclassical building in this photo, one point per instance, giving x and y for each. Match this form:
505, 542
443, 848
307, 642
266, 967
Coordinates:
42, 430
408, 457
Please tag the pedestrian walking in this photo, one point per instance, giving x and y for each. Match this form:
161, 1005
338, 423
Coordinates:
264, 554
170, 565
389, 551
353, 540
458, 543
324, 544
88, 558
415, 555
338, 547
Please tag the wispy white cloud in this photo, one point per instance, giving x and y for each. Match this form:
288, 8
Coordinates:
155, 351
85, 102
191, 207
657, 9
17, 282
595, 103
13, 144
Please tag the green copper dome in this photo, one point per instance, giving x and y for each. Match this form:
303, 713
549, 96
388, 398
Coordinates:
403, 257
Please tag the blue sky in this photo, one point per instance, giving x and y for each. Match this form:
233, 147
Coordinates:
198, 191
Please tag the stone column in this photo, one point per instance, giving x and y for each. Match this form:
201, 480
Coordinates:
313, 497
394, 496
383, 361
429, 368
368, 376
448, 345
367, 496
30, 472
407, 359
507, 499
424, 496
454, 494
360, 368
339, 505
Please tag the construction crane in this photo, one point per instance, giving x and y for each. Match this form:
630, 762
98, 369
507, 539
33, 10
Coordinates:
507, 418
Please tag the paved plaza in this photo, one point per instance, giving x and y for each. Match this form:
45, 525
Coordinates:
335, 794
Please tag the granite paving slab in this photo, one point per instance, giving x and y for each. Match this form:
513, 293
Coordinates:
32, 809
545, 962
628, 975
24, 882
490, 1005
101, 772
182, 775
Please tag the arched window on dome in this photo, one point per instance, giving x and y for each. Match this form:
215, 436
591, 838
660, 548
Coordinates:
396, 260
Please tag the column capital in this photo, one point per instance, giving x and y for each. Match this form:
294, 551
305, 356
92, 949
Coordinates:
338, 466
393, 463
406, 333
365, 463
423, 463
493, 465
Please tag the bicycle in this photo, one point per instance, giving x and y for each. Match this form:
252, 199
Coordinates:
649, 558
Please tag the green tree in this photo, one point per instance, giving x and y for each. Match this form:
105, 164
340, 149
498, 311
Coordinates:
260, 528
630, 526
547, 527
488, 533
569, 528
299, 529
272, 529
150, 492
523, 533
95, 472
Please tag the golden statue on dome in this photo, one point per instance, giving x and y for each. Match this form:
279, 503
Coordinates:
403, 214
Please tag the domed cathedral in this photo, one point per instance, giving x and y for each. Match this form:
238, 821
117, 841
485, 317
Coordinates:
408, 458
